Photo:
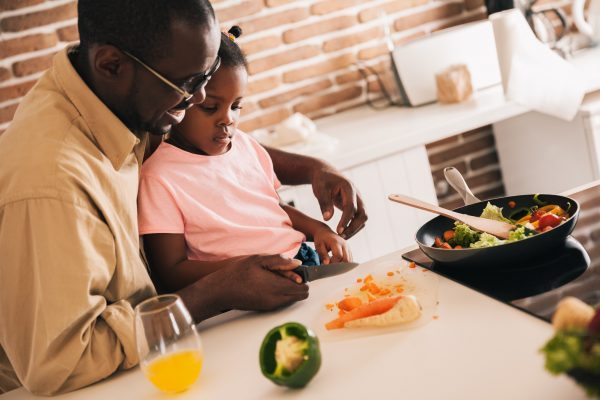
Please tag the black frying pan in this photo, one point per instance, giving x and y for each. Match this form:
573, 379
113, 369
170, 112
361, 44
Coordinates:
506, 255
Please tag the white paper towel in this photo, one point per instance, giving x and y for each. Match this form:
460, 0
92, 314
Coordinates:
532, 74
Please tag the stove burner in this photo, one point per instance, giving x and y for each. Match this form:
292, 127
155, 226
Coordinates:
521, 285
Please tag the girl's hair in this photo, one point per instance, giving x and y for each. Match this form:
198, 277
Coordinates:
230, 53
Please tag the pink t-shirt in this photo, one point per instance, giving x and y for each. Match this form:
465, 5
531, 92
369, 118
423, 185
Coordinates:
225, 205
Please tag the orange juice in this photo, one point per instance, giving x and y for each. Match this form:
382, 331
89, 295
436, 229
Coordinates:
175, 372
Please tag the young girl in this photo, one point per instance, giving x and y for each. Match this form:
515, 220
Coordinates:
208, 193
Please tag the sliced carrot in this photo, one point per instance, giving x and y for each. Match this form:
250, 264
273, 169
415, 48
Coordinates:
385, 292
376, 307
449, 234
512, 204
390, 273
368, 278
371, 297
364, 287
341, 312
399, 289
458, 246
437, 242
349, 303
412, 265
446, 246
359, 280
329, 306
373, 288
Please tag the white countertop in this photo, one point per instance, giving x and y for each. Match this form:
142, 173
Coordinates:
478, 348
365, 134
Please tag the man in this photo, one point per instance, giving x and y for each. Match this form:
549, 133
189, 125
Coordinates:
70, 269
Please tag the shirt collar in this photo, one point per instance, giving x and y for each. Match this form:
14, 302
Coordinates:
114, 139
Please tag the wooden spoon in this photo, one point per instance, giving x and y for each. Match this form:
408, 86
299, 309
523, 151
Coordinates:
497, 228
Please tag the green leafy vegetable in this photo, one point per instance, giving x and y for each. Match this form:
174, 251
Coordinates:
463, 235
486, 240
494, 212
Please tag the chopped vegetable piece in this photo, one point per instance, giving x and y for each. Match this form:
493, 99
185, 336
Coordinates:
512, 204
390, 273
437, 242
494, 212
549, 220
446, 246
290, 355
349, 303
412, 265
449, 234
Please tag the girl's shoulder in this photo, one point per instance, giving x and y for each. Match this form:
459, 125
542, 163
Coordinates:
165, 154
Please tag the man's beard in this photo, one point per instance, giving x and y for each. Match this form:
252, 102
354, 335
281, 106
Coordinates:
134, 121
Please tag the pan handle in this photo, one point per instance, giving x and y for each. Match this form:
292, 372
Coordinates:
456, 180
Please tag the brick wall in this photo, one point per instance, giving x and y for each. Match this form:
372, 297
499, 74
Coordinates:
302, 53
474, 155
302, 58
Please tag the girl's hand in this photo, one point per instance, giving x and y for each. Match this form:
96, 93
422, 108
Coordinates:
326, 242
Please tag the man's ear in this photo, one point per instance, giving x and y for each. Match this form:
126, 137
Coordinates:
109, 62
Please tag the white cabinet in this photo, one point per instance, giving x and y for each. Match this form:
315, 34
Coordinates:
390, 226
543, 154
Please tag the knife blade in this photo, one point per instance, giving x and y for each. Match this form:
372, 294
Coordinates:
310, 273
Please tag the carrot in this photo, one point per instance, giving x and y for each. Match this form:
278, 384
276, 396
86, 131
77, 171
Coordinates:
349, 303
458, 246
373, 288
437, 242
446, 246
368, 278
385, 292
512, 204
449, 234
412, 265
366, 310
390, 273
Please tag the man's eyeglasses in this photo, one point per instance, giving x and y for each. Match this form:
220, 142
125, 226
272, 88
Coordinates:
194, 87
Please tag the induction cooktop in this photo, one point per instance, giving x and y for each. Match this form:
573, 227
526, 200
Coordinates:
535, 287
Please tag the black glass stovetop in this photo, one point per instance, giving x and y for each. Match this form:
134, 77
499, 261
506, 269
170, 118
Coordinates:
535, 287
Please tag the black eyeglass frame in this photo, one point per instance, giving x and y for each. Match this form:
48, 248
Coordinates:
187, 95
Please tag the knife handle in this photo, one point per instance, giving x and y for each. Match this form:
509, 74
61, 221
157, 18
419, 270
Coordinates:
301, 270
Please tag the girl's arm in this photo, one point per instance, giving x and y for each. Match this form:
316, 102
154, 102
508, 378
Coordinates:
167, 256
325, 239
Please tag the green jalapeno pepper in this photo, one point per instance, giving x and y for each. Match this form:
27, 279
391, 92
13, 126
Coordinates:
290, 355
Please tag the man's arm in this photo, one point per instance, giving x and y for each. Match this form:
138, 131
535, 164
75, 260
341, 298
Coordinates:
330, 187
57, 328
255, 283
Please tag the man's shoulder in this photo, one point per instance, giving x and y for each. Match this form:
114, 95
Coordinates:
44, 158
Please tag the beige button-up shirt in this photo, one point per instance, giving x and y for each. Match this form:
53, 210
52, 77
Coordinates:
70, 267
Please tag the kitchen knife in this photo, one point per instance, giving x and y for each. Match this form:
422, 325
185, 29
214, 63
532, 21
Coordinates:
313, 272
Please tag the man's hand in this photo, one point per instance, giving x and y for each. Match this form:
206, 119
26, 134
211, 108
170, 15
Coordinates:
332, 189
257, 283
327, 241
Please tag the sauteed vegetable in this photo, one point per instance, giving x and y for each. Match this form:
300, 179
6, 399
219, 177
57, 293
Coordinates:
529, 221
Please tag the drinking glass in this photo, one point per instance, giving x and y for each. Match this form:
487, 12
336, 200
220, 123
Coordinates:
168, 344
